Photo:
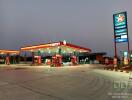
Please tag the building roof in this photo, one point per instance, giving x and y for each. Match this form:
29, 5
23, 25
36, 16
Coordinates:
53, 47
9, 52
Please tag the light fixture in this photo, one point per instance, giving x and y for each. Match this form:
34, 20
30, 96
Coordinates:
64, 51
64, 42
2, 53
31, 50
49, 51
42, 51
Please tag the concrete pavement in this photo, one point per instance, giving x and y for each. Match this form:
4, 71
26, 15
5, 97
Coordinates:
84, 82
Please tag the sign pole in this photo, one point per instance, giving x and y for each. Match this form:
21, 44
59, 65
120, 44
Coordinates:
115, 55
128, 45
115, 48
128, 52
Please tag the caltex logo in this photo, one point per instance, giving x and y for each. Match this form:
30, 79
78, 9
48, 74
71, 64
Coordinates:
121, 18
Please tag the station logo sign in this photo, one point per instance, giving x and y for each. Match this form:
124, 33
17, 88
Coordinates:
120, 27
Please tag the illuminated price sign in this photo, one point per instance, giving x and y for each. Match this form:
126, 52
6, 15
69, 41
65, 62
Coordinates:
120, 27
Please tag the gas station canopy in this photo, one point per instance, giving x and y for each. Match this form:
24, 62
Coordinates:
9, 52
54, 48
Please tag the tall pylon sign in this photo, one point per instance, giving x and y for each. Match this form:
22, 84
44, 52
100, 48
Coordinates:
121, 31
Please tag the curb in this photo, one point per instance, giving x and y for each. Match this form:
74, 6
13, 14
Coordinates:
124, 71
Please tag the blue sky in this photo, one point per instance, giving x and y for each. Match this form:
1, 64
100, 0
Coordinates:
87, 23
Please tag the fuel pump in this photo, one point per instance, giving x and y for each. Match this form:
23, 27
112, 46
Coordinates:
7, 59
48, 62
74, 60
37, 60
57, 60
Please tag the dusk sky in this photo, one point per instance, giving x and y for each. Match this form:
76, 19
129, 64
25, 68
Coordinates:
87, 23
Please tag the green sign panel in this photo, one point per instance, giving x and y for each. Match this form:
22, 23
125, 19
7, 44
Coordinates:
120, 27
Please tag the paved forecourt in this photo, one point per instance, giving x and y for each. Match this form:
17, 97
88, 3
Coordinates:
83, 82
